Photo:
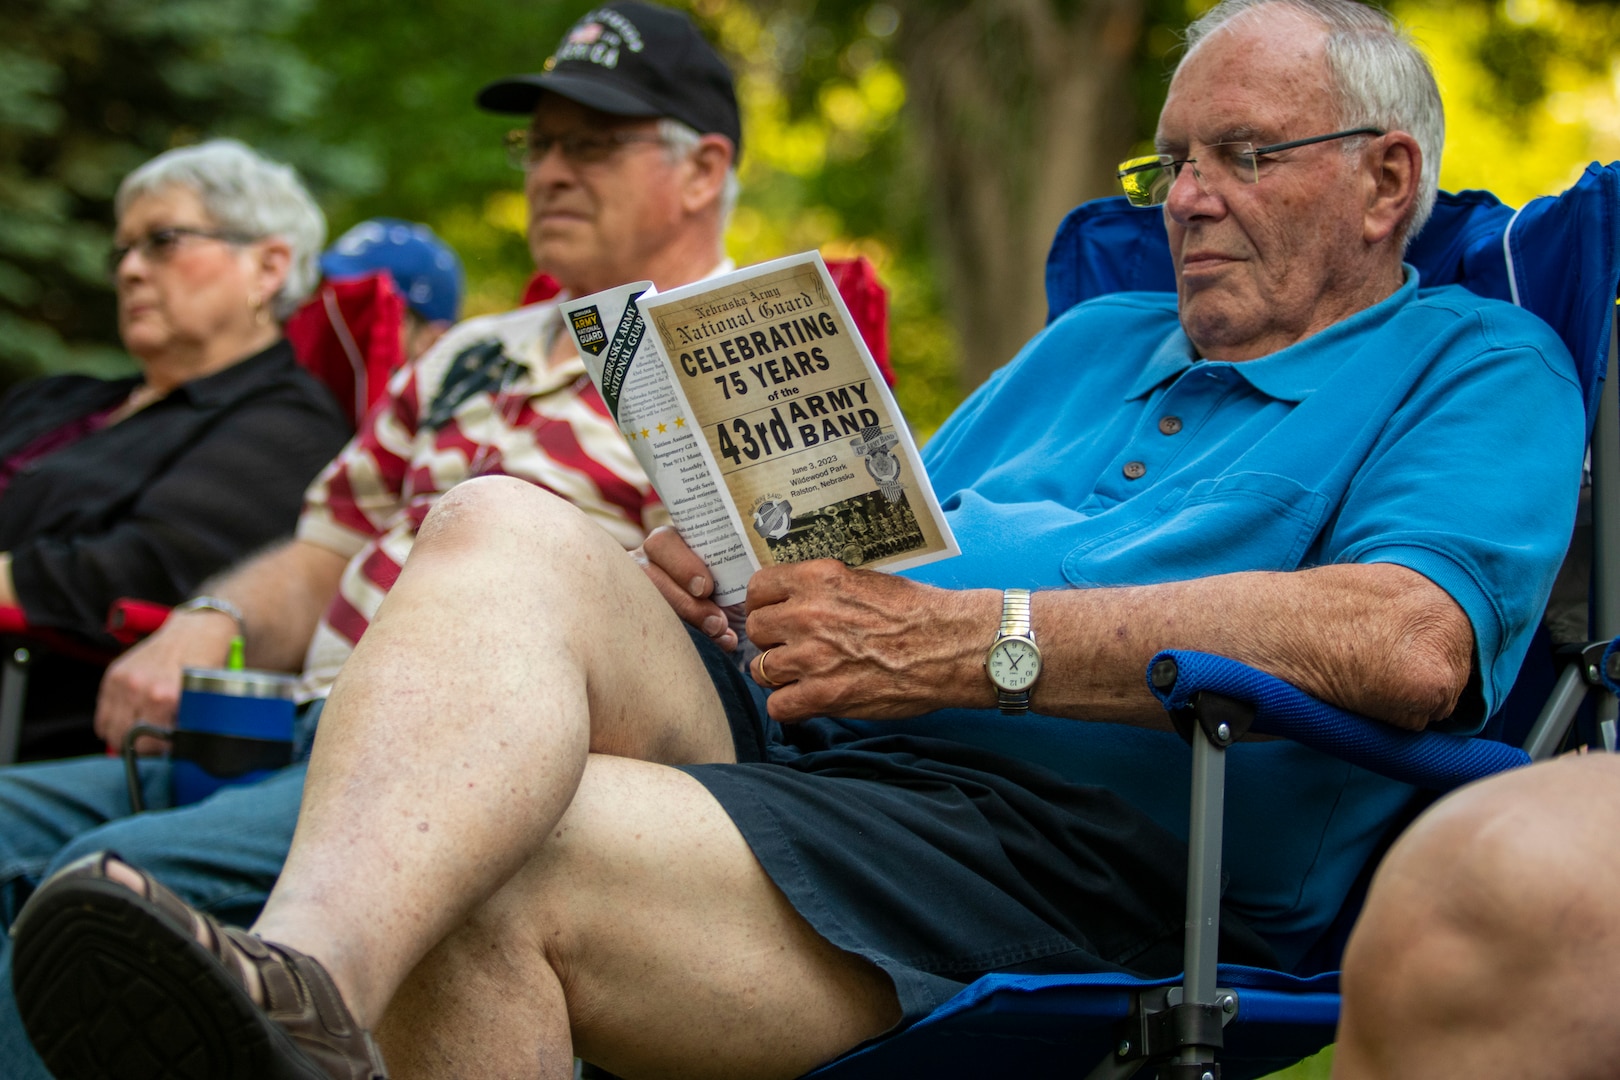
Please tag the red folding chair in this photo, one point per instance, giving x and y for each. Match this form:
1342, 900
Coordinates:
348, 336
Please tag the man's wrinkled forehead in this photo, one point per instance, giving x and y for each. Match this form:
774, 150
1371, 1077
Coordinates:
1260, 78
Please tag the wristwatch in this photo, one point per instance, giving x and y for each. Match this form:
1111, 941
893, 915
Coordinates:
214, 603
1014, 660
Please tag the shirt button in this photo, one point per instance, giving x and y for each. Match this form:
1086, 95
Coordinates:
1170, 425
1134, 470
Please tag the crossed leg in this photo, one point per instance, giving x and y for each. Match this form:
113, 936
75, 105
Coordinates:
482, 809
1489, 946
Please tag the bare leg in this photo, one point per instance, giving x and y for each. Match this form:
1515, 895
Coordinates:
517, 637
1489, 946
647, 927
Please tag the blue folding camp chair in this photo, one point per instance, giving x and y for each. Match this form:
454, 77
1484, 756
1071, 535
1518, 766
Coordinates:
1557, 257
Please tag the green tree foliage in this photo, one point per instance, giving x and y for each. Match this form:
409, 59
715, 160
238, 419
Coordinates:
403, 79
1529, 88
827, 165
88, 90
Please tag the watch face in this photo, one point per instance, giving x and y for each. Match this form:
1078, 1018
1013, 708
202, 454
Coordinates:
1014, 663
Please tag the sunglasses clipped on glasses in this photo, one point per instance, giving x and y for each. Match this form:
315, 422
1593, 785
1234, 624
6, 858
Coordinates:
159, 245
1147, 180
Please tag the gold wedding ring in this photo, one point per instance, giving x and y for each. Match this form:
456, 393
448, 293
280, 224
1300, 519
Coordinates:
764, 679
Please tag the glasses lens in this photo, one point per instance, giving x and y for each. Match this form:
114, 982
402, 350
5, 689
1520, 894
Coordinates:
161, 243
1237, 160
1146, 180
155, 246
517, 149
591, 149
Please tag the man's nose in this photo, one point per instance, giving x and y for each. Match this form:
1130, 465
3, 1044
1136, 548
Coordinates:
1190, 195
547, 173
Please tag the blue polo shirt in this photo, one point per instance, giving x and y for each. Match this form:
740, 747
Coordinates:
1436, 430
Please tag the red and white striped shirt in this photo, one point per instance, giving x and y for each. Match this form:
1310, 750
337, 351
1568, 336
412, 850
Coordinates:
480, 402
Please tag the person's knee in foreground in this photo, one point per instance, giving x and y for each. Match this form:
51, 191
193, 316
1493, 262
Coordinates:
490, 872
1489, 939
619, 187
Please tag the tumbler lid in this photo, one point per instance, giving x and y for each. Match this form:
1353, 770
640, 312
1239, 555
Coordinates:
246, 683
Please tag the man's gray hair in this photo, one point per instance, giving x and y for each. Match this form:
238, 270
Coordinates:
1380, 78
245, 193
682, 139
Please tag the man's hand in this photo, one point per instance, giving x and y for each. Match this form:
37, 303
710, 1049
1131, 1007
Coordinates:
858, 643
143, 685
685, 583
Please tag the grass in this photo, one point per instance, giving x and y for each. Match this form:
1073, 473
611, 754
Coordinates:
1312, 1068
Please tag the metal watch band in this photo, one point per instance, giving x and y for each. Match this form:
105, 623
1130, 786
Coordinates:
215, 603
1015, 622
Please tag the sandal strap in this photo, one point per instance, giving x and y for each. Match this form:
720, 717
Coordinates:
299, 995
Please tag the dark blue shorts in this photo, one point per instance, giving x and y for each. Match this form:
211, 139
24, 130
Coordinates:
942, 862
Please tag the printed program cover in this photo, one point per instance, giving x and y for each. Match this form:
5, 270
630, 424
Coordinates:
796, 421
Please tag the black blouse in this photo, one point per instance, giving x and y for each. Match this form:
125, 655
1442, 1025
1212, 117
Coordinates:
151, 506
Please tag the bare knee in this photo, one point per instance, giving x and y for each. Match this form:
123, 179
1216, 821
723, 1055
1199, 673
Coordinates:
1487, 914
490, 513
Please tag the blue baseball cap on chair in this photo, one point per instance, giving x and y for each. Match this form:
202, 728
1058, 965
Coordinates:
425, 270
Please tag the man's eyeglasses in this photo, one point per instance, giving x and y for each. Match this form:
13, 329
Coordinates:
526, 149
1147, 180
159, 245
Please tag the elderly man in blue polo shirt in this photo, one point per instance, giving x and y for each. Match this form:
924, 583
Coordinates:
544, 818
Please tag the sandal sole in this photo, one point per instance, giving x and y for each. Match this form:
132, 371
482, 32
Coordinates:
109, 989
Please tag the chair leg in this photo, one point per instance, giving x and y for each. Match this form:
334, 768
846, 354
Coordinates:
1606, 530
13, 692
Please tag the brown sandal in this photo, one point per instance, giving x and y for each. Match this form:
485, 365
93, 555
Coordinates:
113, 984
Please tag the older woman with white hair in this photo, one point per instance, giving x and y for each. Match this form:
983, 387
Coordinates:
145, 486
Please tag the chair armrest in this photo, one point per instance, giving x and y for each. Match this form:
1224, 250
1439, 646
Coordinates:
1425, 759
12, 620
129, 620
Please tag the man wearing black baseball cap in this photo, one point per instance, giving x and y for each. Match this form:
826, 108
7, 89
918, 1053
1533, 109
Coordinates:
630, 154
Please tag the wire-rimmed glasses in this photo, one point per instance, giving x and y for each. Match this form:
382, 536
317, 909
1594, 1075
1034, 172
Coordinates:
526, 149
1147, 180
159, 245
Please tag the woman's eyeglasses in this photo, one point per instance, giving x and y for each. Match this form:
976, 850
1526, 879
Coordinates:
159, 245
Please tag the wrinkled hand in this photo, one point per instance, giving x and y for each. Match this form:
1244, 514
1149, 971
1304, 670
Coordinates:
143, 685
863, 644
686, 584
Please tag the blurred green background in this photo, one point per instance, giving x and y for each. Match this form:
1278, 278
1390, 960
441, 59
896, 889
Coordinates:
942, 138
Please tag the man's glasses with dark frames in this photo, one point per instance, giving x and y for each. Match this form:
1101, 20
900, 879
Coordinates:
1147, 180
159, 245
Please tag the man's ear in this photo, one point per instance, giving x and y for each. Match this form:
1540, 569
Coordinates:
1392, 184
706, 177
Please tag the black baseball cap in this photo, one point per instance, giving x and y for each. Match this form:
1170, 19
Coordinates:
631, 59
